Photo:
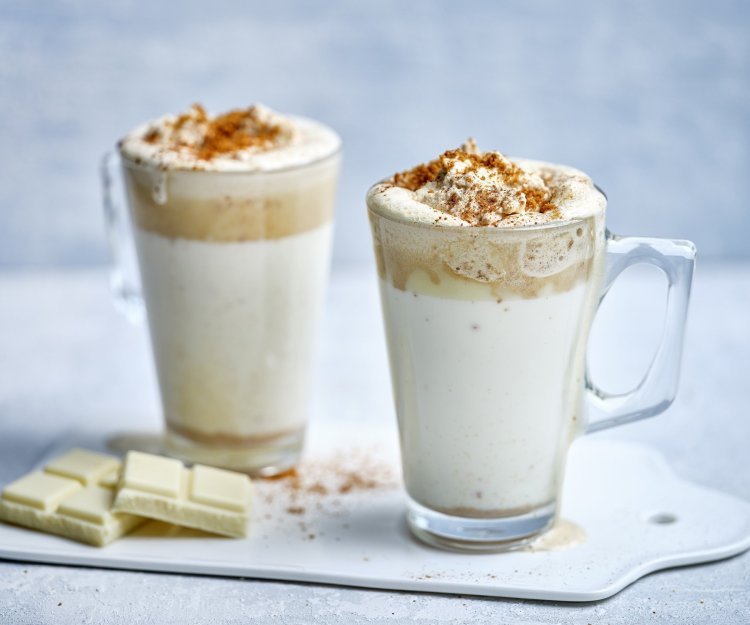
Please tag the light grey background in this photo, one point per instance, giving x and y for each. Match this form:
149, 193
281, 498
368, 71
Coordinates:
651, 98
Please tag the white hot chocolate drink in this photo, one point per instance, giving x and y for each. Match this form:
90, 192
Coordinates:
489, 269
233, 218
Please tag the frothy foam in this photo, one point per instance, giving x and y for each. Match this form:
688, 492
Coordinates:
466, 187
255, 138
486, 263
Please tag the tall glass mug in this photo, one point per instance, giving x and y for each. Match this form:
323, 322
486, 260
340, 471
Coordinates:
487, 330
233, 268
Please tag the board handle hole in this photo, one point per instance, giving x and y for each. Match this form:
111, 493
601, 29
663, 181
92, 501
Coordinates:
662, 518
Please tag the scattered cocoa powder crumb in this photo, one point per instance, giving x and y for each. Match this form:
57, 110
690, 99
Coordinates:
339, 474
281, 476
152, 136
357, 482
318, 489
320, 486
323, 487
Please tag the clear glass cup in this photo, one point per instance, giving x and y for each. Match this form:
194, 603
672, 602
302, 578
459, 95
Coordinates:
230, 269
487, 330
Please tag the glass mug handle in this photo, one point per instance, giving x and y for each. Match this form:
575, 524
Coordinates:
656, 390
124, 278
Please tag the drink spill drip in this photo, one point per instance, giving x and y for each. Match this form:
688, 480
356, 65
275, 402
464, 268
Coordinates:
159, 191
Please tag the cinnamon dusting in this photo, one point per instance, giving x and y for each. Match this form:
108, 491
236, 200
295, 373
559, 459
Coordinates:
152, 136
419, 176
481, 188
206, 137
321, 492
237, 130
325, 480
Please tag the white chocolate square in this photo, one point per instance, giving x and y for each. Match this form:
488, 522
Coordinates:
88, 467
89, 504
216, 487
41, 490
152, 474
54, 504
111, 479
208, 499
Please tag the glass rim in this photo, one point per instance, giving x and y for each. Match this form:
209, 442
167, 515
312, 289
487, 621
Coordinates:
550, 225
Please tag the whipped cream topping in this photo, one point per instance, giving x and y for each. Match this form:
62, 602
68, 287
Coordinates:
255, 138
467, 187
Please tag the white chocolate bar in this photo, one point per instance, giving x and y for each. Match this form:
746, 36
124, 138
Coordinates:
205, 498
88, 467
71, 497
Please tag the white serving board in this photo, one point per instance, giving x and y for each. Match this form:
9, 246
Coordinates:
614, 491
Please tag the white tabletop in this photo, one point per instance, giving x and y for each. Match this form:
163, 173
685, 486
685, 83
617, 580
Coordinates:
68, 363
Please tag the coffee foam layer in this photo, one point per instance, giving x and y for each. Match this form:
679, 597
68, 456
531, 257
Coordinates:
252, 139
232, 206
487, 263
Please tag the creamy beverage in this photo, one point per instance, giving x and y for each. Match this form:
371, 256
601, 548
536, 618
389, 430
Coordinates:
233, 219
490, 270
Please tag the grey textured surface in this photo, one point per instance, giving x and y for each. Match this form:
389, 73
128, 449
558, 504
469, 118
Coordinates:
651, 98
70, 366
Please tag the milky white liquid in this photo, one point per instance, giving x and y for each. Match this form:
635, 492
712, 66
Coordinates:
487, 395
233, 328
